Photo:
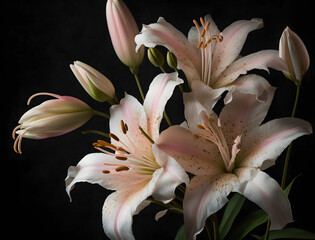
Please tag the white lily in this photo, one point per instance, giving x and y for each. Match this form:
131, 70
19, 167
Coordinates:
227, 153
209, 55
137, 169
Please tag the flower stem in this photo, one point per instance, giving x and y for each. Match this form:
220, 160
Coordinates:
139, 86
214, 219
287, 157
101, 114
95, 132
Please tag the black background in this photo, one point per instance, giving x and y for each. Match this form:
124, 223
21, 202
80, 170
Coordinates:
41, 39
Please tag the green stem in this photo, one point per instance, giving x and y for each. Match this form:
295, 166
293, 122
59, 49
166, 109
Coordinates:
267, 230
95, 132
167, 119
101, 114
146, 135
162, 69
287, 157
139, 85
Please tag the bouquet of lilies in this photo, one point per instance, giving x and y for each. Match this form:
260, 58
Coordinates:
211, 162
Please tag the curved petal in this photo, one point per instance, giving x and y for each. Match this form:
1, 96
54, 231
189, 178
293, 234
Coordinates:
164, 34
160, 91
262, 146
99, 168
245, 112
204, 196
120, 206
260, 60
192, 153
171, 176
133, 114
202, 98
228, 50
267, 194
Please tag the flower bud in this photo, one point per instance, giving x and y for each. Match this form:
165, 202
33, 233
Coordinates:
293, 51
171, 60
95, 84
123, 29
51, 118
155, 57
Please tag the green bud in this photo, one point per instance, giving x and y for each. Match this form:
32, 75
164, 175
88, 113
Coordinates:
171, 60
155, 57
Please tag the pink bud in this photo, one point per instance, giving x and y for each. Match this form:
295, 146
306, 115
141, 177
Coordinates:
51, 118
123, 29
293, 51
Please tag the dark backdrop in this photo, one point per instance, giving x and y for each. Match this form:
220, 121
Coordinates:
41, 39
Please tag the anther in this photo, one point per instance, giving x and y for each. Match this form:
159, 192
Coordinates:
121, 158
122, 168
202, 21
122, 125
200, 44
113, 136
200, 127
126, 127
106, 171
120, 149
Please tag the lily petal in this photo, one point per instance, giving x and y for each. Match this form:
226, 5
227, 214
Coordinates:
245, 112
163, 33
260, 60
228, 50
160, 91
201, 99
171, 176
266, 143
120, 206
192, 153
133, 114
267, 194
204, 196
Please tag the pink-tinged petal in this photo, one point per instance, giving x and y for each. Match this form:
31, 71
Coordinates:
267, 194
99, 168
172, 175
245, 112
262, 146
133, 114
119, 208
251, 84
201, 99
164, 34
204, 196
228, 50
192, 153
260, 60
160, 91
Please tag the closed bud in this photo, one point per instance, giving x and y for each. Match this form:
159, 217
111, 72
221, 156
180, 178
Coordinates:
95, 84
293, 51
51, 118
123, 29
155, 57
171, 60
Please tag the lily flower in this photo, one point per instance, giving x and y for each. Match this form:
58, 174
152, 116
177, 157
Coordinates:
208, 55
51, 118
293, 51
137, 168
94, 83
123, 29
227, 153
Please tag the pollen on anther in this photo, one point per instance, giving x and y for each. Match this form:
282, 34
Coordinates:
113, 136
121, 158
106, 171
123, 128
200, 127
122, 168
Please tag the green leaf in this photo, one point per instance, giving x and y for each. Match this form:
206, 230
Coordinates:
231, 211
181, 234
290, 233
288, 188
247, 224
